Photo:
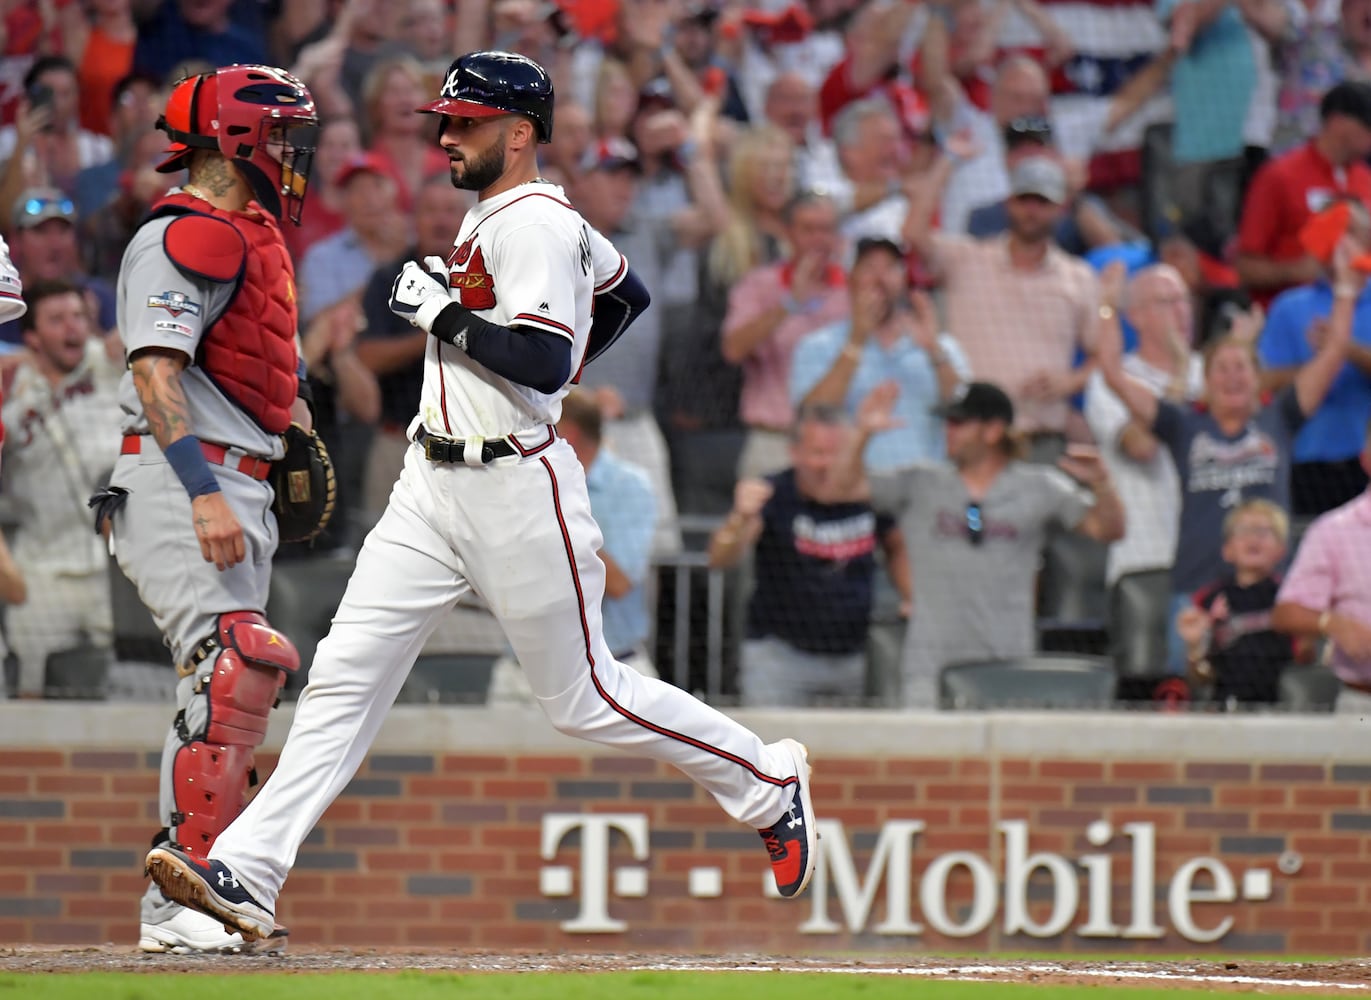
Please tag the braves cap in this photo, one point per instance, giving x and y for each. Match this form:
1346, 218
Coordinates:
977, 401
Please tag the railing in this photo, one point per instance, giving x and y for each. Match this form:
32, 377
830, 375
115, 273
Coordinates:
684, 568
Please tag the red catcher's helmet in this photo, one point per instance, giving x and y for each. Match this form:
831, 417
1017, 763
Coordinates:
259, 117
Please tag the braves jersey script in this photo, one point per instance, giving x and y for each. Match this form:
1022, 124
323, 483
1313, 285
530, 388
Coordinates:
159, 306
522, 258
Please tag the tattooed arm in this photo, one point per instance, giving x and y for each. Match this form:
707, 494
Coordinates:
157, 380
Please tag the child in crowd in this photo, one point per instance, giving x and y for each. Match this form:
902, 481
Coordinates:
1227, 630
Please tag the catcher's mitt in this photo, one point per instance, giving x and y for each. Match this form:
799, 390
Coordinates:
305, 486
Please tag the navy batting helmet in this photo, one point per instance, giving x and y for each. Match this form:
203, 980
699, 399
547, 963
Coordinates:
485, 84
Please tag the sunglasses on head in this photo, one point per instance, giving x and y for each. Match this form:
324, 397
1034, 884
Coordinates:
1029, 129
975, 524
36, 206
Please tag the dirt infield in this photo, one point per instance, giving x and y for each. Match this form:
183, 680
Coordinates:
1240, 975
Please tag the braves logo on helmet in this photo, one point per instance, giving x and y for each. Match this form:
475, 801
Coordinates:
487, 84
451, 84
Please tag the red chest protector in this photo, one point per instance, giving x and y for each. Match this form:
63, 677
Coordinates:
249, 350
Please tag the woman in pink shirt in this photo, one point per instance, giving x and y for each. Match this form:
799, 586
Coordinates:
1327, 593
770, 311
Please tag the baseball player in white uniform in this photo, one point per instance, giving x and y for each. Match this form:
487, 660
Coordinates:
492, 501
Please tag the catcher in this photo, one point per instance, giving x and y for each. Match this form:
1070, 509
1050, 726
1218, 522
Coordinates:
212, 401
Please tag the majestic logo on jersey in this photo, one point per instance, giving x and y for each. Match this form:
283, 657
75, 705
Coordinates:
175, 303
584, 248
168, 326
474, 285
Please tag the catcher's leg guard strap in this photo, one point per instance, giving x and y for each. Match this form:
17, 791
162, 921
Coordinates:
212, 772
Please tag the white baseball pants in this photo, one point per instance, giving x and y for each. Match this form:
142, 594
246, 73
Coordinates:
520, 534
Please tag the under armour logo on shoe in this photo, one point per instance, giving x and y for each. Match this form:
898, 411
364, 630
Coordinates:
227, 881
793, 821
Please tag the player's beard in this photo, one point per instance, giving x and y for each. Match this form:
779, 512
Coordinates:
480, 172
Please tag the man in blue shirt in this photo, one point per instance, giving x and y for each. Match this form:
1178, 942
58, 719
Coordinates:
890, 336
339, 265
625, 508
1326, 470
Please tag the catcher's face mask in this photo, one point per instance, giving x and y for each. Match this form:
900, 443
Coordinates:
261, 118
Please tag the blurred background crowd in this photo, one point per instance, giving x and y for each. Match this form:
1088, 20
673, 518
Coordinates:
951, 242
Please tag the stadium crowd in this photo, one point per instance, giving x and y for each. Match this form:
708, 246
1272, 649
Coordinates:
982, 329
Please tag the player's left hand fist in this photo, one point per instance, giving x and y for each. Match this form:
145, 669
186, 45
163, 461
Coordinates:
418, 296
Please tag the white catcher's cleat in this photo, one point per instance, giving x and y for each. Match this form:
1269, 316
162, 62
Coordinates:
210, 887
187, 932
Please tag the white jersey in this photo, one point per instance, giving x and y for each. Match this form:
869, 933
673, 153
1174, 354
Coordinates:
522, 258
60, 442
11, 288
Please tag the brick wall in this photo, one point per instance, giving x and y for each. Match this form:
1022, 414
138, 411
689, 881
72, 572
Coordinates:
443, 846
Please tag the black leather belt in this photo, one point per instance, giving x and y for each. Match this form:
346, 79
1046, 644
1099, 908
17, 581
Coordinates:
438, 449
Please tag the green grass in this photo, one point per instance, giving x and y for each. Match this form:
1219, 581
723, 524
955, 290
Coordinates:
533, 986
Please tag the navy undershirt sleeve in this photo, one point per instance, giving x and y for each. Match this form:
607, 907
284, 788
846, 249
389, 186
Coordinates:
528, 356
615, 310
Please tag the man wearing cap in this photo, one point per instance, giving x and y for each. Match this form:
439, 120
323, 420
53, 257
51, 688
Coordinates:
624, 381
1020, 307
44, 247
975, 526
339, 265
1088, 223
890, 336
1288, 190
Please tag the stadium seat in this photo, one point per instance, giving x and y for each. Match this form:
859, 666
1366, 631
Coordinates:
1055, 681
1072, 603
79, 673
448, 678
1072, 584
305, 593
136, 636
1138, 605
1308, 689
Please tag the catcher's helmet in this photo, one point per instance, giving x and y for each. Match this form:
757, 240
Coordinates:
260, 117
485, 84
